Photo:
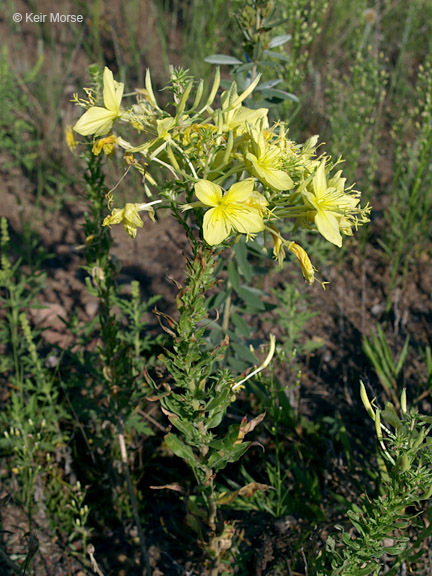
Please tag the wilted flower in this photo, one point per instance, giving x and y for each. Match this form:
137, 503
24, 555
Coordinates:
130, 217
279, 246
370, 15
304, 261
70, 139
106, 144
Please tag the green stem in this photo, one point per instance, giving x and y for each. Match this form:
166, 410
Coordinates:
227, 309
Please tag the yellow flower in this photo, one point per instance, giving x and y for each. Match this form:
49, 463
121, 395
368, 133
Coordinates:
70, 138
130, 217
229, 211
265, 161
332, 207
106, 144
98, 120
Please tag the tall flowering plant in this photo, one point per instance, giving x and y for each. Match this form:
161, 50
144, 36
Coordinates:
223, 171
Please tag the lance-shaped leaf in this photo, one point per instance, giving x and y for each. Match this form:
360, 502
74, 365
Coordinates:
181, 450
222, 59
182, 425
218, 460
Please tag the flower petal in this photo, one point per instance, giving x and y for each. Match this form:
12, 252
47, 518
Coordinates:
239, 192
112, 92
347, 202
276, 179
243, 117
319, 181
244, 219
257, 201
164, 126
310, 200
96, 120
130, 229
328, 226
131, 215
115, 217
209, 193
258, 143
216, 227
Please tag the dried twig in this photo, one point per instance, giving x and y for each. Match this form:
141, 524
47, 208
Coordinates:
123, 454
94, 564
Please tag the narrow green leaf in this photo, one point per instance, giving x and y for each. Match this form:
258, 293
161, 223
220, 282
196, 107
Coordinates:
233, 275
241, 325
403, 356
218, 400
180, 449
222, 59
396, 549
219, 299
215, 419
275, 93
182, 425
245, 67
279, 40
249, 296
348, 540
268, 84
277, 55
245, 268
218, 460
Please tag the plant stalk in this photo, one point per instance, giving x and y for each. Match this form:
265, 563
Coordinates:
126, 471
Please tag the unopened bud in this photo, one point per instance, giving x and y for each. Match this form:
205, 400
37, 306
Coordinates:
365, 400
403, 401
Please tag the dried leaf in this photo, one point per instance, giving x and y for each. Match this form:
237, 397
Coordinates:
171, 322
174, 486
247, 491
246, 427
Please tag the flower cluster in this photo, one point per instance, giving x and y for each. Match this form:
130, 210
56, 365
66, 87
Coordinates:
239, 174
